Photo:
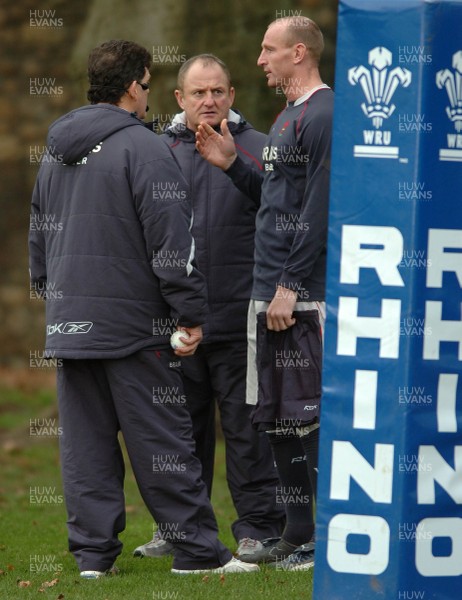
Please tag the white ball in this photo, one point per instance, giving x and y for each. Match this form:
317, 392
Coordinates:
175, 341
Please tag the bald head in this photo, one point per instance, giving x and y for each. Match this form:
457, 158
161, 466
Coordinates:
302, 30
206, 60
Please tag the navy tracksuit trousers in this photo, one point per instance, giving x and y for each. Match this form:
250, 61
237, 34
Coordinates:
99, 398
217, 373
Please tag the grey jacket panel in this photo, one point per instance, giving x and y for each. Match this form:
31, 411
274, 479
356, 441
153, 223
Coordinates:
109, 235
224, 226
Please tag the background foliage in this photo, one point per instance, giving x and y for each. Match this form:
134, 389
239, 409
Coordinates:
55, 54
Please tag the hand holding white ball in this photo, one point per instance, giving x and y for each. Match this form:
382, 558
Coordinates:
175, 341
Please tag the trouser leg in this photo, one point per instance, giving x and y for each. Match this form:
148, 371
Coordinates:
159, 442
296, 493
92, 464
250, 472
201, 406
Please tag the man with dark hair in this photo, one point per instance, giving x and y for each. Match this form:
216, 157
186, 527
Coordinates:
287, 309
123, 261
111, 66
224, 236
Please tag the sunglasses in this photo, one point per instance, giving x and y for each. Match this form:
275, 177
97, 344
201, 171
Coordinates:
145, 86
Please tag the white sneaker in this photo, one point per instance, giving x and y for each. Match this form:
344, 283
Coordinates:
97, 574
233, 566
248, 546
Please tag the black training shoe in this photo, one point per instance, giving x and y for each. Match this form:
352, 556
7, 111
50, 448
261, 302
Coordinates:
300, 560
278, 550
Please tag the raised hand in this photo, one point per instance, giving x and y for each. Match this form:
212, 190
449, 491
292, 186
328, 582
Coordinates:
218, 150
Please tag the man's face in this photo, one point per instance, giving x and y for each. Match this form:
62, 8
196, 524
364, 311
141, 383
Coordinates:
206, 95
276, 57
142, 95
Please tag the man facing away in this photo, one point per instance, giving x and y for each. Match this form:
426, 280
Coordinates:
118, 305
223, 229
287, 309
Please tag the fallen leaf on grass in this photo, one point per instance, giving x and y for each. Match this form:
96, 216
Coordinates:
24, 584
60, 597
10, 567
205, 578
48, 584
222, 578
12, 447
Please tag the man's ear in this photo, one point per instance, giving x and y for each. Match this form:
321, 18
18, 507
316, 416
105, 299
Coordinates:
131, 90
232, 93
179, 98
300, 51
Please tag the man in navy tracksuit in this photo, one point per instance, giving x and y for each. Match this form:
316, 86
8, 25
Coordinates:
123, 260
287, 309
223, 229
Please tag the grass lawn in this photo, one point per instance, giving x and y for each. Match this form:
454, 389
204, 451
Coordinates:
34, 560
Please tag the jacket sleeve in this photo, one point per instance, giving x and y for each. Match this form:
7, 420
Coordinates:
37, 251
246, 179
311, 238
162, 201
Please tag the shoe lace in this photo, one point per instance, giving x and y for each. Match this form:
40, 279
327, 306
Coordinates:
247, 543
157, 537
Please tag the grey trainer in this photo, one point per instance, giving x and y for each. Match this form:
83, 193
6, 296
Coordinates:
155, 548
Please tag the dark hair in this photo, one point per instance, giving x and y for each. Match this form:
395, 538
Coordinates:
112, 67
206, 60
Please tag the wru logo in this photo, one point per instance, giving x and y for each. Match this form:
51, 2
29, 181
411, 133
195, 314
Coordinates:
379, 85
453, 84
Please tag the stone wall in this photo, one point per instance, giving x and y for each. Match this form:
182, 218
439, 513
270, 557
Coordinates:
44, 47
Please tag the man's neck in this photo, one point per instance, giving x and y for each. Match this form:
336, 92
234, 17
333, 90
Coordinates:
300, 86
